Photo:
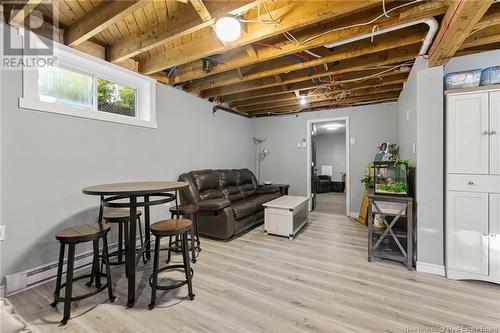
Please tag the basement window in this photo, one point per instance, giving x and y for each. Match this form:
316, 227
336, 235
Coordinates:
83, 86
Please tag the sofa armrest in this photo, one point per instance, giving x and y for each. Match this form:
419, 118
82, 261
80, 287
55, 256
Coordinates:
265, 189
214, 204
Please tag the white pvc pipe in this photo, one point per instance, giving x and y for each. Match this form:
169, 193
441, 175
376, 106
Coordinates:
431, 22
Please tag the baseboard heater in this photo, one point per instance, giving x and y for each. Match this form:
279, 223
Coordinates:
17, 282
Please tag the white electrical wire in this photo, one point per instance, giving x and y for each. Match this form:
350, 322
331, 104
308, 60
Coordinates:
259, 19
383, 8
360, 24
312, 53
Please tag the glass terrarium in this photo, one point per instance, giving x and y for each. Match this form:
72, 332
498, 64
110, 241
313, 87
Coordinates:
391, 177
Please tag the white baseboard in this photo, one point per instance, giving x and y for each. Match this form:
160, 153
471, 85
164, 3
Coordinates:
354, 215
431, 268
27, 279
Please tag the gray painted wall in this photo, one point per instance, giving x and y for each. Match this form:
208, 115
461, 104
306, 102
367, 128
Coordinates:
429, 175
420, 122
369, 125
407, 114
48, 158
473, 61
331, 151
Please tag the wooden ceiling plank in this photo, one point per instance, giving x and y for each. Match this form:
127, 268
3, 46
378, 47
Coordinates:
459, 21
377, 59
291, 16
99, 19
235, 59
341, 53
186, 21
201, 9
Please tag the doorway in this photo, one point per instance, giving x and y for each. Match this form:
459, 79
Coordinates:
328, 165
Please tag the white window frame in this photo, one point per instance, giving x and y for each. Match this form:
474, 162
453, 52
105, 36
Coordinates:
80, 62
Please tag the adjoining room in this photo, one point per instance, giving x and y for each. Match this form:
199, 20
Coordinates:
249, 166
330, 168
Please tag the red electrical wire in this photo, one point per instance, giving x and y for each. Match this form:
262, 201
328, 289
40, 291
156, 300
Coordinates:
434, 48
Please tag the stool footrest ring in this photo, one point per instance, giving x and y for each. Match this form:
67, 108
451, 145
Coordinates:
172, 286
57, 298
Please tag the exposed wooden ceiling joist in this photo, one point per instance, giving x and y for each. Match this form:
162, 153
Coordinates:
404, 38
458, 23
488, 35
186, 22
201, 9
293, 16
98, 19
291, 95
302, 85
397, 55
372, 98
335, 97
239, 58
18, 18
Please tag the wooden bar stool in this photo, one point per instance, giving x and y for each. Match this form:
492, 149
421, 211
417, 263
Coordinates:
190, 210
121, 217
71, 237
172, 227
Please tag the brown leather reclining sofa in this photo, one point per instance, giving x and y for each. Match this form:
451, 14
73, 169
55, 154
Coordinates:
230, 201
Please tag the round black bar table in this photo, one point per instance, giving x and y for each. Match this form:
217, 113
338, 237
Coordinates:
125, 195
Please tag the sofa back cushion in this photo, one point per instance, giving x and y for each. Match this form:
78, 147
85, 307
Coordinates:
207, 183
246, 182
227, 184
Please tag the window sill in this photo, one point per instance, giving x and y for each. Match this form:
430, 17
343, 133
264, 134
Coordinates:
73, 111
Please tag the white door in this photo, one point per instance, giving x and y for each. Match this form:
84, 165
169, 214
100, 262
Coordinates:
467, 134
495, 237
495, 133
467, 232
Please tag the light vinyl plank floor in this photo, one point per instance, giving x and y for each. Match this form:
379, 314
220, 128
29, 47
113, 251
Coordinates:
319, 282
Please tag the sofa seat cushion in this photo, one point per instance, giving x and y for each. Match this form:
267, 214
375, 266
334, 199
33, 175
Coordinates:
259, 200
214, 204
243, 208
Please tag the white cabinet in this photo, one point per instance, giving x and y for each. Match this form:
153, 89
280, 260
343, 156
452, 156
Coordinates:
494, 133
467, 232
467, 134
473, 185
495, 236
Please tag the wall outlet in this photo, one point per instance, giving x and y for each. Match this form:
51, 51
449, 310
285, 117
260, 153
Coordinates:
2, 232
414, 149
298, 145
407, 114
353, 141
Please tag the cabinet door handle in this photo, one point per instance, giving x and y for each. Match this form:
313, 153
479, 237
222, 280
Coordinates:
470, 182
493, 133
485, 234
486, 133
493, 235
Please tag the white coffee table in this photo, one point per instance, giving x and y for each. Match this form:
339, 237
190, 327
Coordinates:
286, 215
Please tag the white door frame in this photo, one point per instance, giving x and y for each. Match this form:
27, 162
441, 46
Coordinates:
347, 159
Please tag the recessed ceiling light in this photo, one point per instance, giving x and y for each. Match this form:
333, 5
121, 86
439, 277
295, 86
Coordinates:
228, 28
303, 100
